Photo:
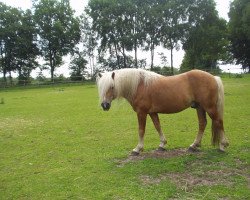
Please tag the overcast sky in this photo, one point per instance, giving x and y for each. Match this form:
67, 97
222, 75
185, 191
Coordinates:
222, 7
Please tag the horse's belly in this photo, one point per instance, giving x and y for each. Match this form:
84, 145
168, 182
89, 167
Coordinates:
170, 103
169, 107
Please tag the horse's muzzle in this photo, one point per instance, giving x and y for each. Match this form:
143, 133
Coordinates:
105, 106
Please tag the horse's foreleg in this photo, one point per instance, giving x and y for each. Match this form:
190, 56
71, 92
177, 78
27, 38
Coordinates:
156, 121
201, 113
142, 124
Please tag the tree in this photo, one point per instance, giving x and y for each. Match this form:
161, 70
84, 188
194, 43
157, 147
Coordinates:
9, 18
18, 42
119, 26
59, 30
206, 41
123, 26
89, 42
239, 32
175, 21
112, 23
27, 50
103, 23
152, 27
77, 66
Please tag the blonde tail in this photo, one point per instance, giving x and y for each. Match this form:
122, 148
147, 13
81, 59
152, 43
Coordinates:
216, 128
220, 101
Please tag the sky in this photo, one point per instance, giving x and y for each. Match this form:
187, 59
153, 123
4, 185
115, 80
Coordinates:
222, 7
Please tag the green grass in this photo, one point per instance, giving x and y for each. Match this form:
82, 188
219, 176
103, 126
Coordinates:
57, 143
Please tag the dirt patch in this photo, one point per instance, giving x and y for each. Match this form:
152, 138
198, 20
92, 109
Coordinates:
198, 172
193, 177
187, 181
153, 154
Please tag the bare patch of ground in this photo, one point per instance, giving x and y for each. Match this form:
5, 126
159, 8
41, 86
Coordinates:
200, 177
198, 173
188, 180
153, 154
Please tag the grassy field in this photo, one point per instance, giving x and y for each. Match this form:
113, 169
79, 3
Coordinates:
57, 143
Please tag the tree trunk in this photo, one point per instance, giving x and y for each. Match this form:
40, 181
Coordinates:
117, 56
136, 65
11, 80
172, 67
52, 74
4, 75
152, 55
124, 57
19, 76
135, 39
93, 66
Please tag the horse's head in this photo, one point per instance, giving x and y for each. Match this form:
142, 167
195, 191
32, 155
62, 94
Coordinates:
106, 88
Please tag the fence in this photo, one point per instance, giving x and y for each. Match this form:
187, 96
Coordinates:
15, 82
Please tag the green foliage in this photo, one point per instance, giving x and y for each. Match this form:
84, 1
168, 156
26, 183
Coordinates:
89, 40
128, 25
166, 71
118, 28
57, 143
59, 30
239, 29
123, 26
18, 48
77, 66
113, 23
206, 42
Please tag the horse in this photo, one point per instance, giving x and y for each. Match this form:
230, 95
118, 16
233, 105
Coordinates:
150, 93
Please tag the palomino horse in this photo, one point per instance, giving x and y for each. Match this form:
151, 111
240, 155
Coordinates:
151, 93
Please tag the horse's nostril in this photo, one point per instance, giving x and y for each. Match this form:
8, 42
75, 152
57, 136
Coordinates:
105, 106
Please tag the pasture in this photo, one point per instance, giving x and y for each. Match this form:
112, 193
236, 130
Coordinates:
57, 143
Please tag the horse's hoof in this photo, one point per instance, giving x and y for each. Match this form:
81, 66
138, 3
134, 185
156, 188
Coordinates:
193, 150
198, 145
134, 153
225, 144
221, 151
161, 149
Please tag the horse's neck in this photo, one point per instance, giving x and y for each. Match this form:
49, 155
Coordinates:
127, 87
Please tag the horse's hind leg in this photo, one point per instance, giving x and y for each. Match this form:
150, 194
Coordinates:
156, 121
201, 113
218, 134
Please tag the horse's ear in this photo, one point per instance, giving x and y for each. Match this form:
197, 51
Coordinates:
100, 75
113, 75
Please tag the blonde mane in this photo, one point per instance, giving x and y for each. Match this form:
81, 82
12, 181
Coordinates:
125, 81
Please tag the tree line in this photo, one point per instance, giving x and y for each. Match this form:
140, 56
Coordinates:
117, 30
